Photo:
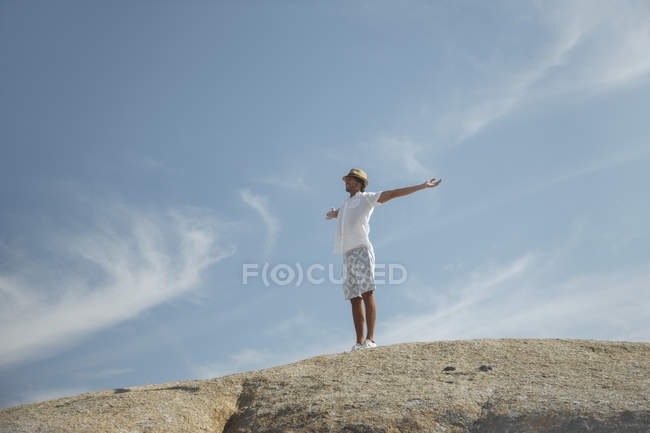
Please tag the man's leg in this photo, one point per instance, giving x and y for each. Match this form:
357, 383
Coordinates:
371, 311
357, 316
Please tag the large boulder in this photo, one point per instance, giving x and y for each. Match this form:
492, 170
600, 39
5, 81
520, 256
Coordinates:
504, 385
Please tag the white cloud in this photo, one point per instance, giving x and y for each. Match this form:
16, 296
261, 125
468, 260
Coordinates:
128, 262
104, 373
305, 336
244, 360
588, 47
594, 46
334, 341
288, 326
261, 205
404, 154
146, 162
507, 95
622, 156
615, 47
520, 299
291, 182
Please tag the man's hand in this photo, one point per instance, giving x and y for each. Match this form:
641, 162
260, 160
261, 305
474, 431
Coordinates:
333, 213
431, 183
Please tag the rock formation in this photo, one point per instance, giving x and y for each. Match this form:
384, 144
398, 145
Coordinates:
504, 385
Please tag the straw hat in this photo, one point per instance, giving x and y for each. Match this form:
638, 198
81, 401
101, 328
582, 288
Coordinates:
359, 174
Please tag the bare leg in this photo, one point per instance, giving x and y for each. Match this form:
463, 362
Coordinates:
357, 316
371, 312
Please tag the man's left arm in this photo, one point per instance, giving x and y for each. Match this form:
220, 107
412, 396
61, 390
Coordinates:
390, 194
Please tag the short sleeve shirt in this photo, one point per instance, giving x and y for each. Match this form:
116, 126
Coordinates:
353, 225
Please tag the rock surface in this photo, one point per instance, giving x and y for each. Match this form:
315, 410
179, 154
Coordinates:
533, 385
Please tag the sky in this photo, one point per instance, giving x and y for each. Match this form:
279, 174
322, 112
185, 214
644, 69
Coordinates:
167, 166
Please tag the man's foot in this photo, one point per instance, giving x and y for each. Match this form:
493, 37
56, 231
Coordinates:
367, 343
357, 346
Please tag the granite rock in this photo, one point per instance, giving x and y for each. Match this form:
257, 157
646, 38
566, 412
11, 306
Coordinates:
532, 385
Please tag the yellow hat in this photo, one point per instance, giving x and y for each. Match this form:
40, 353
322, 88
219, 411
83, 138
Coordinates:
359, 174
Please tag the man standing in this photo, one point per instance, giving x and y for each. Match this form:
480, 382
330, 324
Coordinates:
352, 241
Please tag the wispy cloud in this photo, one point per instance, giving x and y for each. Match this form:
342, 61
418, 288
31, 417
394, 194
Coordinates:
588, 47
405, 156
614, 48
508, 95
304, 334
288, 326
104, 373
334, 341
623, 156
244, 360
291, 182
260, 204
520, 299
129, 261
593, 46
146, 162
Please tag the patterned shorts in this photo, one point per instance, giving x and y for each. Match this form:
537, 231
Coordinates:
358, 271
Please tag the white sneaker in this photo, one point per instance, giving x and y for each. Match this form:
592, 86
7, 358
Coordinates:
367, 344
357, 346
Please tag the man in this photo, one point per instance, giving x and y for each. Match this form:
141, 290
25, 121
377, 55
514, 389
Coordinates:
352, 241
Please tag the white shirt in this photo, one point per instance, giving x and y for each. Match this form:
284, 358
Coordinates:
353, 226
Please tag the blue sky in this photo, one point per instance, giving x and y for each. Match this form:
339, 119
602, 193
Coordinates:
150, 150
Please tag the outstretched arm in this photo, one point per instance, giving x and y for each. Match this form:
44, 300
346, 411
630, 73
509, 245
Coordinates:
333, 213
390, 194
